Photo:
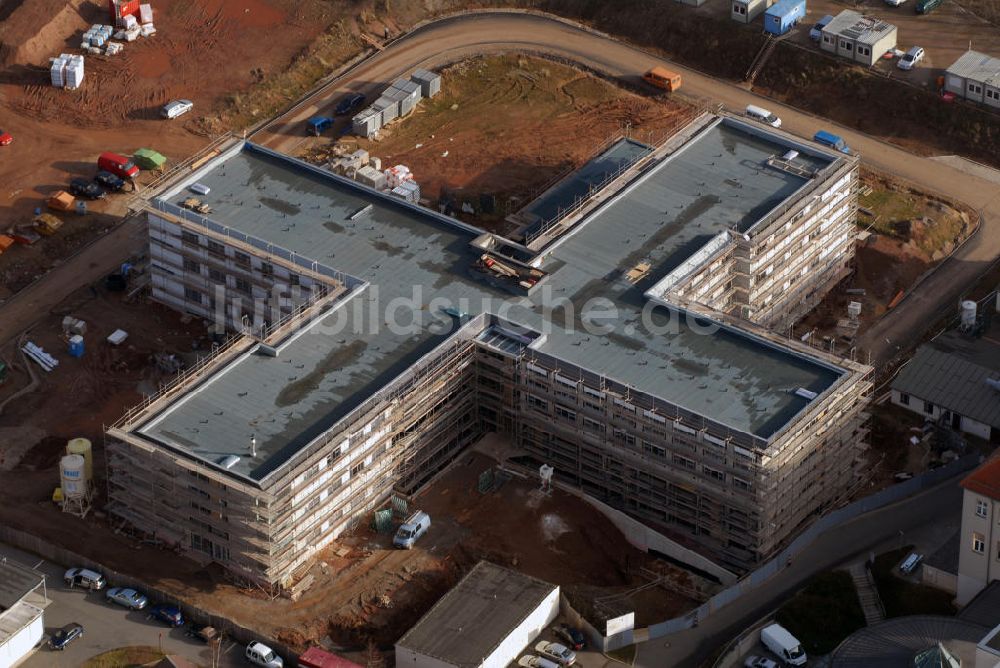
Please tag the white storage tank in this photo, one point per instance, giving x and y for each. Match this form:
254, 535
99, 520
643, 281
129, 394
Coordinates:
968, 313
72, 472
82, 447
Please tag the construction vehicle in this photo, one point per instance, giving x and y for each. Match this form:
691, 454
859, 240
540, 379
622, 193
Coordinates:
663, 78
195, 204
46, 224
60, 201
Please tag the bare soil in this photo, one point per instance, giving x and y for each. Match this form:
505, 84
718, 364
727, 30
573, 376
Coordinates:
910, 233
508, 126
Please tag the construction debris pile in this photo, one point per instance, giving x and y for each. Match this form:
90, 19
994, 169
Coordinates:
361, 167
397, 101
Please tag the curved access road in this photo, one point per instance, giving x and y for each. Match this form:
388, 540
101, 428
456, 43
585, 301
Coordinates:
454, 38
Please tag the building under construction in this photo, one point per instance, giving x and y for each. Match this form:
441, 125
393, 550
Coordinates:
417, 334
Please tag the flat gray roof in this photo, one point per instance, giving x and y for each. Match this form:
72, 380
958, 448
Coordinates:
978, 67
469, 622
862, 29
407, 253
16, 582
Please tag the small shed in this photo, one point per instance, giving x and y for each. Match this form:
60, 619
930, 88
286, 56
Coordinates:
746, 11
147, 158
975, 76
863, 39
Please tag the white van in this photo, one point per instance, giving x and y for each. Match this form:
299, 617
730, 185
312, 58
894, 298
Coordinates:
415, 527
763, 115
777, 639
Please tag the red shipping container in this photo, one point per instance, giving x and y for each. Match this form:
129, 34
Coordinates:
314, 657
122, 8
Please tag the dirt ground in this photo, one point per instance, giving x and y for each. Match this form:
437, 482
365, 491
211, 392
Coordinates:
909, 233
366, 590
508, 126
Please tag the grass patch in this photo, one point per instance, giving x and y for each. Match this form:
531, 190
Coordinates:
824, 613
125, 657
890, 207
625, 655
906, 598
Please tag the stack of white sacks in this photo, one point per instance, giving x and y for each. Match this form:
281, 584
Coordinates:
66, 71
146, 18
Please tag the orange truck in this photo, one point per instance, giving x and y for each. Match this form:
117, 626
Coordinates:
663, 78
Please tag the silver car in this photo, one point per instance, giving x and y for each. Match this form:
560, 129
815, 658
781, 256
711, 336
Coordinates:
129, 598
176, 108
553, 651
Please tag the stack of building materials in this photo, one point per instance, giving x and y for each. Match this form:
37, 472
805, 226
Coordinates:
145, 14
37, 353
371, 177
57, 71
66, 71
113, 48
98, 35
367, 123
407, 190
394, 176
356, 160
430, 82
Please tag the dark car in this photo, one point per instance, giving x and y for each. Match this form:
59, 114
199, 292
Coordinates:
349, 104
573, 637
109, 181
168, 614
65, 636
86, 189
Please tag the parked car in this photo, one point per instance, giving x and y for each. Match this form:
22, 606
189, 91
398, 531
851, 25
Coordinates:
573, 636
831, 140
561, 654
414, 527
894, 3
763, 115
128, 597
5, 138
784, 645
84, 577
910, 563
176, 108
927, 6
118, 165
816, 32
532, 661
168, 614
349, 104
65, 636
260, 654
109, 181
760, 662
911, 58
87, 189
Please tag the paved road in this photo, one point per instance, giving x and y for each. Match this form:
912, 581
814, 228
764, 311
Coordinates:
106, 627
453, 39
857, 537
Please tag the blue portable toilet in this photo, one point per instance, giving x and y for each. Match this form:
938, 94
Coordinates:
782, 15
76, 346
81, 207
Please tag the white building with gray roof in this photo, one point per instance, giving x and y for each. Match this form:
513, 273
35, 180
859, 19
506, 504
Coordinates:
975, 76
689, 417
863, 39
23, 600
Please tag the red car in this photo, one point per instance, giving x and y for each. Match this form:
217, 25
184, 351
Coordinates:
5, 138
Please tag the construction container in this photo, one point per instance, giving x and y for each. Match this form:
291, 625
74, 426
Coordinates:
388, 107
367, 123
783, 15
430, 82
407, 89
407, 105
122, 8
